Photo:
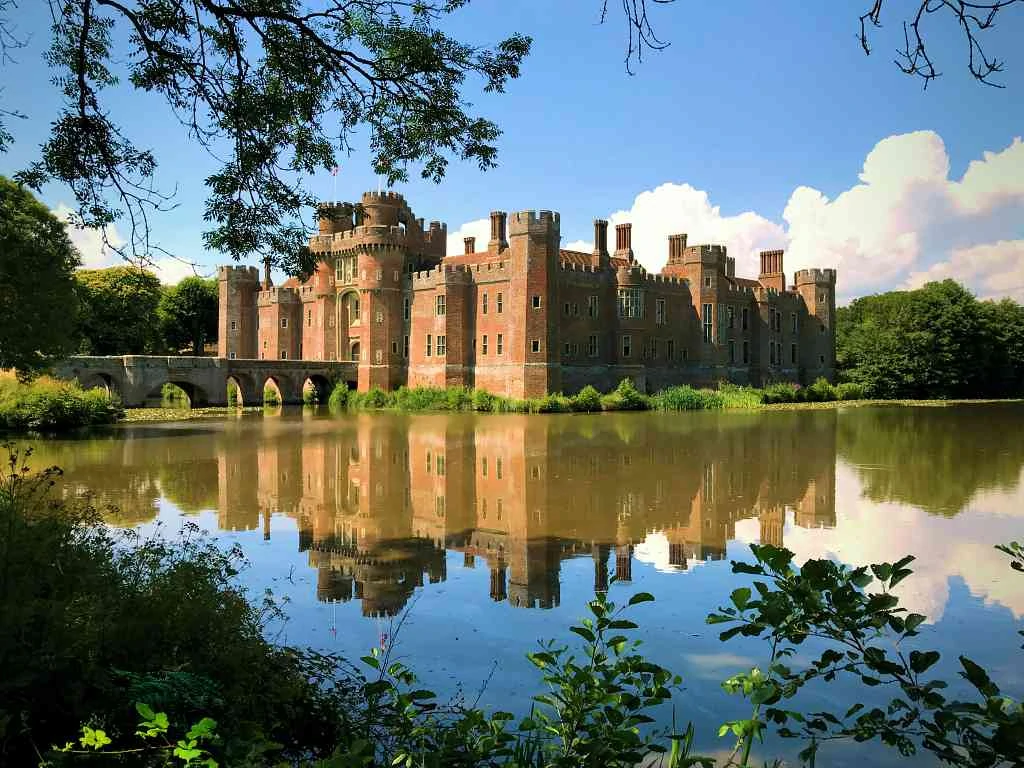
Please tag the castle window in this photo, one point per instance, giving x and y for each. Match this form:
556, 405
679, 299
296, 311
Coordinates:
565, 351
498, 303
309, 318
686, 353
378, 356
821, 328
654, 348
707, 317
284, 354
535, 345
442, 345
575, 309
354, 352
394, 347
627, 346
430, 462
732, 351
440, 465
234, 326
231, 356
396, 276
483, 346
707, 281
659, 312
730, 315
264, 343
591, 306
745, 319
405, 308
284, 322
575, 349
380, 274
631, 302
567, 309
497, 472
430, 343
440, 306
483, 305
405, 347
746, 352
536, 302
380, 317
792, 317
670, 349
592, 346
792, 353
821, 298
500, 344
822, 359
483, 466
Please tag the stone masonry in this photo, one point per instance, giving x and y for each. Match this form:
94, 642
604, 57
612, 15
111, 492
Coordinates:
522, 317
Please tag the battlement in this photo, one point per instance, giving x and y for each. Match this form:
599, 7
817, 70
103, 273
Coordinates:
816, 276
278, 295
238, 274
392, 198
705, 254
526, 222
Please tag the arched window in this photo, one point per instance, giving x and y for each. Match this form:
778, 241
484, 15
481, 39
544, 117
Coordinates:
354, 351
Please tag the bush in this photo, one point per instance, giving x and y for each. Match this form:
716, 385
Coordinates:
587, 400
850, 391
781, 392
271, 396
554, 403
47, 404
625, 397
339, 396
686, 398
458, 399
820, 391
124, 619
375, 397
482, 400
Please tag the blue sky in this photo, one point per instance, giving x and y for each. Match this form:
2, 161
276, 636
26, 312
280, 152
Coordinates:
762, 125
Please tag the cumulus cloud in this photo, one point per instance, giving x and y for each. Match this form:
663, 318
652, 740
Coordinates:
97, 255
903, 221
480, 229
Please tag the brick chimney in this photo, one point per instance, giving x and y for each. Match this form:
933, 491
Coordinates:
676, 247
624, 241
600, 258
470, 243
772, 275
498, 239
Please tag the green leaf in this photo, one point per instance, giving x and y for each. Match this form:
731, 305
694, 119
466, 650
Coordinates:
912, 622
144, 710
641, 597
740, 597
978, 677
583, 632
919, 662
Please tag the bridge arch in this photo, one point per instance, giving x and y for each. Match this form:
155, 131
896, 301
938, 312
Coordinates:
316, 389
197, 395
245, 385
288, 392
101, 380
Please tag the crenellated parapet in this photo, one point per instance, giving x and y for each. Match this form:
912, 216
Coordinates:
238, 274
278, 295
534, 223
815, 277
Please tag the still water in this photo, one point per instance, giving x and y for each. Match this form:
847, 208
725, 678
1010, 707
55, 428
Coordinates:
489, 532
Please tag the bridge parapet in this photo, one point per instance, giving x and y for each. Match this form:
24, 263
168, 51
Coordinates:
137, 378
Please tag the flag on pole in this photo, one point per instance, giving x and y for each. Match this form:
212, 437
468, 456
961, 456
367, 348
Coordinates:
335, 169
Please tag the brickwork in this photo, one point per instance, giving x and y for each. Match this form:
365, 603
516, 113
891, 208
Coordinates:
523, 317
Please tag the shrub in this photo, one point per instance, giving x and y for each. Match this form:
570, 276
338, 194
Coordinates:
271, 396
47, 404
587, 400
781, 392
850, 391
553, 403
482, 400
458, 399
375, 397
625, 397
685, 398
735, 396
339, 396
820, 391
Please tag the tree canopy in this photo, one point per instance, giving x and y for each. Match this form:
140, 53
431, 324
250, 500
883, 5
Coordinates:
936, 341
37, 285
188, 314
118, 311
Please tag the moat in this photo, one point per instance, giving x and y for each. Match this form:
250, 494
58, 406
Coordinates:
490, 532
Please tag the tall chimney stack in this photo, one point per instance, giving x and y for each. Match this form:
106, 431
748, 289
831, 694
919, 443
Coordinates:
498, 239
470, 243
624, 242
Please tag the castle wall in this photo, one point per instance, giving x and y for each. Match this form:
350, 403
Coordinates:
523, 318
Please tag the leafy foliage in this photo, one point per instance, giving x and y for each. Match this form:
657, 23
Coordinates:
187, 313
118, 311
275, 90
936, 341
49, 405
37, 287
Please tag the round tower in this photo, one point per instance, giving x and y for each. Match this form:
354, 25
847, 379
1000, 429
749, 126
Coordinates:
334, 217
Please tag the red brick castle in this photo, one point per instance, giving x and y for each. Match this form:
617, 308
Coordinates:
523, 317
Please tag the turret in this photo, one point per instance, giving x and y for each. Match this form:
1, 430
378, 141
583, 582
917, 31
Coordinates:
818, 333
334, 217
236, 321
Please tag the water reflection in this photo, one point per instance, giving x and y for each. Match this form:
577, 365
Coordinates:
379, 498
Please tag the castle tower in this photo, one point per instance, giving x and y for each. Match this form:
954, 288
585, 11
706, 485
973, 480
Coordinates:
236, 321
534, 238
817, 332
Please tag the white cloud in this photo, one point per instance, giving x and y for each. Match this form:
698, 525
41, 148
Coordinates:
89, 242
480, 229
991, 270
903, 221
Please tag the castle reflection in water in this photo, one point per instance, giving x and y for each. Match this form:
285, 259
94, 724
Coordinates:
378, 499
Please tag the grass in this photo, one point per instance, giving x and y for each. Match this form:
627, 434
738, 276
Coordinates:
51, 405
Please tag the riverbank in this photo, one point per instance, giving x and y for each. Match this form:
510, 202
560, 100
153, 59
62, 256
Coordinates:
52, 405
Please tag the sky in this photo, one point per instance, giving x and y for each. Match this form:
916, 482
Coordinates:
762, 125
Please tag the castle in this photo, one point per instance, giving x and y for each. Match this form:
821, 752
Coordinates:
523, 317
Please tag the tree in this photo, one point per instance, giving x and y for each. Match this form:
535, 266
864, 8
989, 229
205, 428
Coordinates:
188, 314
118, 311
274, 90
37, 285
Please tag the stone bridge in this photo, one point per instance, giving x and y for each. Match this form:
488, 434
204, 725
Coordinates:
138, 378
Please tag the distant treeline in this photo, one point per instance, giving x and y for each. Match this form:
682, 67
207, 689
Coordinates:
938, 341
126, 311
